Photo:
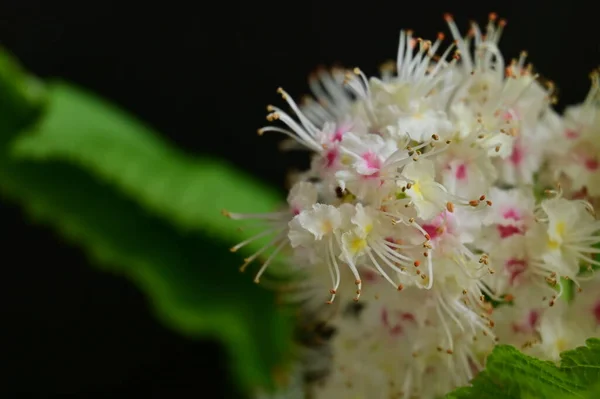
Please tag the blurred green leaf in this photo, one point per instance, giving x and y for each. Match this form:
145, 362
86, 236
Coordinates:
191, 192
85, 167
22, 98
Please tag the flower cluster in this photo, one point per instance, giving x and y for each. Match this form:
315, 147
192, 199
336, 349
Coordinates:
447, 207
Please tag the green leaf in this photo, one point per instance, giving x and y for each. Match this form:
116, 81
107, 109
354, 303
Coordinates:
593, 393
91, 194
582, 365
22, 98
89, 132
511, 374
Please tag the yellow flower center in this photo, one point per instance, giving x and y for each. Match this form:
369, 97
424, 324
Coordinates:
559, 230
357, 245
416, 187
326, 226
561, 344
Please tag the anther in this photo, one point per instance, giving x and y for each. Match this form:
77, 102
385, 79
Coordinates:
280, 91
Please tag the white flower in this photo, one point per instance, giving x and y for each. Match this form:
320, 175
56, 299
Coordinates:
558, 332
367, 152
518, 324
302, 196
467, 170
520, 274
512, 214
371, 241
428, 196
580, 161
571, 233
483, 127
316, 230
421, 125
413, 98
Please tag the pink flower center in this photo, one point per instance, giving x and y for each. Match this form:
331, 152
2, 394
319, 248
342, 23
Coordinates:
395, 329
533, 318
528, 325
369, 275
581, 194
439, 225
372, 161
408, 317
340, 130
461, 172
515, 267
330, 157
433, 230
510, 114
511, 213
596, 311
591, 164
516, 157
571, 134
508, 230
337, 136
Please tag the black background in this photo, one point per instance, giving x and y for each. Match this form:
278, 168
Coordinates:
202, 74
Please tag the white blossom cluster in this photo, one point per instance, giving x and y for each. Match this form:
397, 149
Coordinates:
452, 202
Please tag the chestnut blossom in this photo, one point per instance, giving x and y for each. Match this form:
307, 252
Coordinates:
447, 207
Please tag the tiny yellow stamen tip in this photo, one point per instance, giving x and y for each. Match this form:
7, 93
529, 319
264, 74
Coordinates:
233, 249
257, 280
225, 212
260, 132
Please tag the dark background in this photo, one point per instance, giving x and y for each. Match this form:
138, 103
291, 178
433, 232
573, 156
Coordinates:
202, 74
